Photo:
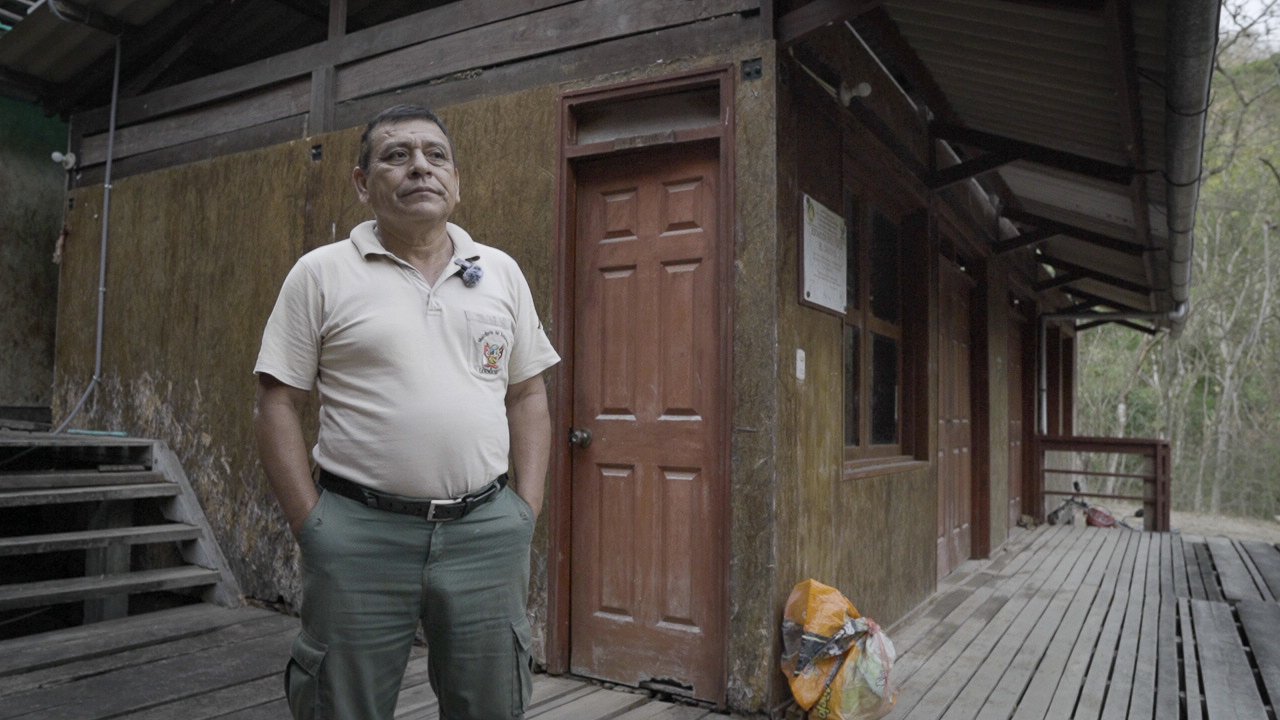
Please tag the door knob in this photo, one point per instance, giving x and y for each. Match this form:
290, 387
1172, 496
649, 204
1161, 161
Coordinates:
580, 437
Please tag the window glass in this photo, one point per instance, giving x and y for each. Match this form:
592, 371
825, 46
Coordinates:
884, 391
885, 301
852, 260
852, 384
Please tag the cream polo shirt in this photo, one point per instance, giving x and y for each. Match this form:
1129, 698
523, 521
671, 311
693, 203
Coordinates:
412, 379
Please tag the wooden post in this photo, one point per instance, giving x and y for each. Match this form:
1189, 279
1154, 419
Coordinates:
110, 560
324, 78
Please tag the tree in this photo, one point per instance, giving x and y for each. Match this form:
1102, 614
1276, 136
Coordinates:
1213, 391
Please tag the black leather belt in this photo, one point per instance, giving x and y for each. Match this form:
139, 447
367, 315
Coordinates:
433, 510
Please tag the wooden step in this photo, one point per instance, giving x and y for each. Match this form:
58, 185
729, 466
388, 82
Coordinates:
18, 498
52, 592
82, 540
75, 478
12, 438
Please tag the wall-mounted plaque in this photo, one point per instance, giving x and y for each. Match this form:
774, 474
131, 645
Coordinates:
822, 262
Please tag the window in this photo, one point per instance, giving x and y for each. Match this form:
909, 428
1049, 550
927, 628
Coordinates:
873, 346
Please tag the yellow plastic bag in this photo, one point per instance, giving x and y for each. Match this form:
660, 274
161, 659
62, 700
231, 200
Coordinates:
836, 661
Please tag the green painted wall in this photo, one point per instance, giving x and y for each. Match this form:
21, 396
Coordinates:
31, 196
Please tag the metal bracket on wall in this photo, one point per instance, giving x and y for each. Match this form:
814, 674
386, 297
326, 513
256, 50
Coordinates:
752, 69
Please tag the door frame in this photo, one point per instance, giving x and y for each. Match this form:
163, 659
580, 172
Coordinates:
559, 508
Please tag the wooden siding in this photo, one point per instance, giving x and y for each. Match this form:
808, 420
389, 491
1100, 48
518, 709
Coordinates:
199, 250
269, 101
868, 534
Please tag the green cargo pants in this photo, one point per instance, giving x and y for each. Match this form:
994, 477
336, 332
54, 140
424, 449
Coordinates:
369, 575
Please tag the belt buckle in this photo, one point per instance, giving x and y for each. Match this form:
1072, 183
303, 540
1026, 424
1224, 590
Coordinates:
433, 505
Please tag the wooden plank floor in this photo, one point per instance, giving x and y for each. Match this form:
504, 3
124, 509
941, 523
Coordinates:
1076, 622
1065, 622
201, 661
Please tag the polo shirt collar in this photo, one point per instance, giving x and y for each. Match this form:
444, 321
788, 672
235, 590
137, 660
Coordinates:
366, 241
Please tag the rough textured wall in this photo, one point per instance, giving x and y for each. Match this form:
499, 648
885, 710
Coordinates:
754, 619
509, 201
871, 537
196, 256
31, 197
281, 202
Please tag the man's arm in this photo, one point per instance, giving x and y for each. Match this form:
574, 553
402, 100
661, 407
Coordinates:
530, 424
277, 424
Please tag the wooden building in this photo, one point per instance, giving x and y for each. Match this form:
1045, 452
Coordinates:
816, 269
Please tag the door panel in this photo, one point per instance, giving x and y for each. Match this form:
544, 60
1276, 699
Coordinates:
955, 429
648, 492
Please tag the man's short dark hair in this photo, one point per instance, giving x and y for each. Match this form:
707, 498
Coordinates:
396, 114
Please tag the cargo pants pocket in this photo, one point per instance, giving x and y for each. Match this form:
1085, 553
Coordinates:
302, 678
522, 682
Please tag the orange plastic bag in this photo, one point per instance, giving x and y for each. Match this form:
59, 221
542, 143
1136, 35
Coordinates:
836, 661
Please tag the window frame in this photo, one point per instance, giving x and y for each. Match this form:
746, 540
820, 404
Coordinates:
860, 204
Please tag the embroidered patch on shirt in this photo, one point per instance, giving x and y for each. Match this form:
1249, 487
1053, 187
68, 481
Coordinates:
493, 348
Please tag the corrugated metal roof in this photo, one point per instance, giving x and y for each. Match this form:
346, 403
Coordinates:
1053, 73
1054, 77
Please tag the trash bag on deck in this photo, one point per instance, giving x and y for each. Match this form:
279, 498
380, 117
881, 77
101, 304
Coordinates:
836, 661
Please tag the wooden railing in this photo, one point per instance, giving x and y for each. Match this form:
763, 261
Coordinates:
1155, 473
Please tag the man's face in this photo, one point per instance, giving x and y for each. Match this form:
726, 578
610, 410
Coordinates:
411, 177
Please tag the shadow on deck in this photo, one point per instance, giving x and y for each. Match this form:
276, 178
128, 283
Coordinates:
1066, 622
202, 661
1076, 622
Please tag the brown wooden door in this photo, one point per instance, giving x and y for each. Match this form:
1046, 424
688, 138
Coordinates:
1017, 427
955, 429
648, 492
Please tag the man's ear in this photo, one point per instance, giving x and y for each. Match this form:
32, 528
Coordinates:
360, 180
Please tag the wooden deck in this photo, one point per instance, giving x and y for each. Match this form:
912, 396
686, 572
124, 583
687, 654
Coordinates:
1091, 623
202, 661
1064, 623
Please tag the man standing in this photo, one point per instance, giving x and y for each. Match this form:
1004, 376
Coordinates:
428, 354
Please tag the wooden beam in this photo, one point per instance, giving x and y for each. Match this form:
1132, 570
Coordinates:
420, 27
1096, 300
795, 25
1071, 162
903, 57
1057, 282
324, 79
320, 115
714, 36
1029, 237
1079, 307
1081, 6
309, 10
493, 44
175, 28
235, 114
583, 23
1093, 274
986, 162
70, 11
1121, 47
251, 138
160, 33
1119, 321
1061, 228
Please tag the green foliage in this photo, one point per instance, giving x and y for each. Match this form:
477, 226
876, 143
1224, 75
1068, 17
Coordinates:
1214, 392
